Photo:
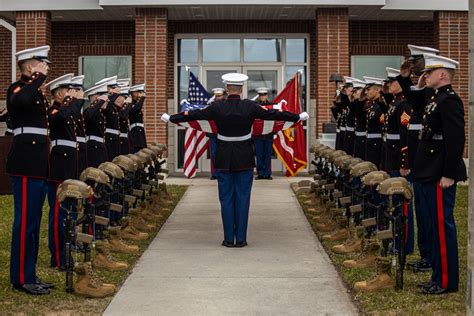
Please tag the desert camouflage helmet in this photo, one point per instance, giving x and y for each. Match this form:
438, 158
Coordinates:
112, 170
126, 163
398, 185
96, 175
73, 189
374, 178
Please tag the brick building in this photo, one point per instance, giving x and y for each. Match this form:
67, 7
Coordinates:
152, 41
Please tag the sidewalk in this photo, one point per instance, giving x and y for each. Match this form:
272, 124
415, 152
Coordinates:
186, 271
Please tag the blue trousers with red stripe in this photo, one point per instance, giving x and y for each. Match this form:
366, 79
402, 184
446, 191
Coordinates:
234, 195
55, 227
440, 206
263, 151
28, 195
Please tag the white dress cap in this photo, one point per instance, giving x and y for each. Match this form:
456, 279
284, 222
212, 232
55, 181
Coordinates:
111, 81
392, 73
357, 83
218, 91
125, 90
348, 80
125, 82
420, 50
234, 79
40, 53
138, 87
435, 61
64, 80
97, 89
373, 81
78, 80
262, 90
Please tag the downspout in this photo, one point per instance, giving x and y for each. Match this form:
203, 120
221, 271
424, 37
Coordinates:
12, 29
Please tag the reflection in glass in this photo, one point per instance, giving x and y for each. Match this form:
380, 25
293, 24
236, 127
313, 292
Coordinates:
220, 50
188, 51
262, 78
96, 68
289, 73
214, 78
262, 49
374, 66
295, 50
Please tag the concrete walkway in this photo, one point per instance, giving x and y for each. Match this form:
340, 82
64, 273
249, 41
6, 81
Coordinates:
186, 271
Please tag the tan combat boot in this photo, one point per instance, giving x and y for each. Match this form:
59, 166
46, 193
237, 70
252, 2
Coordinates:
103, 258
89, 285
367, 258
141, 224
341, 233
353, 244
315, 211
128, 232
325, 227
117, 244
382, 279
149, 216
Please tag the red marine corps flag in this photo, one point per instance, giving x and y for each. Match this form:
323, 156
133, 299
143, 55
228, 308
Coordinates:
290, 144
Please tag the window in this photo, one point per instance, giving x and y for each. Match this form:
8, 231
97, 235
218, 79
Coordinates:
295, 50
374, 66
188, 50
95, 68
220, 50
262, 49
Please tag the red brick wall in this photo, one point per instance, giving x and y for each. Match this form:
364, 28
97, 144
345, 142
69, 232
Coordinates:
151, 57
5, 61
332, 55
451, 35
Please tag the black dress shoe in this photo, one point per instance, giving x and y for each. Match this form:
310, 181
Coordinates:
213, 178
44, 285
426, 284
259, 178
422, 266
269, 178
32, 289
435, 289
228, 244
240, 244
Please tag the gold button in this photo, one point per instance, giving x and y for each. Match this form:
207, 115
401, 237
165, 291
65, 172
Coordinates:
37, 102
33, 142
65, 155
431, 151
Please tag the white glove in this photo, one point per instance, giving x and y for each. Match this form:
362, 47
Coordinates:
279, 105
304, 116
184, 101
165, 117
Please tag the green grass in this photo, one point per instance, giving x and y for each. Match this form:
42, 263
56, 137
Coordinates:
60, 302
408, 301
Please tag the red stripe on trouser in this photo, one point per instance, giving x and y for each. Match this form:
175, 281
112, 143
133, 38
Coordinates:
442, 237
24, 200
405, 214
56, 232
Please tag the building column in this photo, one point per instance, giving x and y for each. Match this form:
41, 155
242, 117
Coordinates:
33, 29
332, 51
151, 45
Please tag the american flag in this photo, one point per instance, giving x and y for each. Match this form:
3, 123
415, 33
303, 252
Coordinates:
195, 142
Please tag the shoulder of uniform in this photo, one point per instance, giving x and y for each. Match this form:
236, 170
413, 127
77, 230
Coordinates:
16, 86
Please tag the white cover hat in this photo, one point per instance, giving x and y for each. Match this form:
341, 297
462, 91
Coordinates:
348, 80
373, 81
420, 50
138, 87
97, 89
125, 90
111, 81
218, 91
40, 53
123, 82
64, 80
392, 73
435, 61
262, 90
234, 79
78, 80
357, 83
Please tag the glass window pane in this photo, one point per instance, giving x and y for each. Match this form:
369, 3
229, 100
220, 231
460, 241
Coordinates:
95, 68
289, 73
214, 78
187, 51
221, 50
262, 78
296, 50
183, 83
262, 49
374, 66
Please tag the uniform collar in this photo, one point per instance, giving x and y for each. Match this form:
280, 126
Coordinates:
447, 87
233, 97
25, 77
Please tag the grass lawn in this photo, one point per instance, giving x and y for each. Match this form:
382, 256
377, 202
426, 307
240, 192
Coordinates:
59, 302
408, 301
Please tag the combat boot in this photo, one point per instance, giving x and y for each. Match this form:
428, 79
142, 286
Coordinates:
382, 280
367, 258
149, 216
341, 232
315, 211
140, 224
117, 244
325, 227
128, 232
103, 258
353, 244
89, 285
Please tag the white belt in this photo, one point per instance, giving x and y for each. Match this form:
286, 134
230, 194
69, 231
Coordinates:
136, 124
234, 139
338, 130
350, 129
414, 127
124, 135
63, 142
80, 139
9, 130
437, 137
361, 133
343, 128
112, 131
374, 135
96, 138
30, 130
392, 136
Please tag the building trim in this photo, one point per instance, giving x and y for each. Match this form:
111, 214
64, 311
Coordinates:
12, 29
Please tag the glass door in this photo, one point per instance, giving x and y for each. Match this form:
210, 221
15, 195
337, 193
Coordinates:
268, 77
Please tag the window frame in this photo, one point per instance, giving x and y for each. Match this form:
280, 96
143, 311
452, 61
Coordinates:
129, 57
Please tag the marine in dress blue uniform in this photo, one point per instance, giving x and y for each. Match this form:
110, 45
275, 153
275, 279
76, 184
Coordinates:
339, 112
124, 112
352, 107
63, 161
263, 143
235, 158
27, 165
219, 95
137, 128
375, 121
418, 98
395, 143
94, 121
442, 145
77, 106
